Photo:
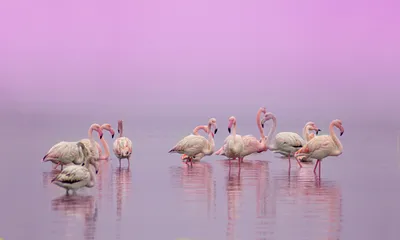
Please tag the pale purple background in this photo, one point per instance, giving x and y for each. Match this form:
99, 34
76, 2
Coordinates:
280, 53
67, 64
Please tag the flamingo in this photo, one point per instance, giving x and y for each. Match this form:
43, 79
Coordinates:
252, 144
64, 153
286, 143
74, 177
199, 156
105, 126
192, 145
323, 146
308, 136
122, 146
234, 144
91, 144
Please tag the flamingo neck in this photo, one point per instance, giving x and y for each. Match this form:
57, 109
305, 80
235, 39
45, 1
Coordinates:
201, 127
234, 130
211, 145
92, 177
306, 132
258, 121
106, 148
334, 137
120, 128
273, 128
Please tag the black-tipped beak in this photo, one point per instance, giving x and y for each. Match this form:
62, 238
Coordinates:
97, 171
112, 136
319, 130
341, 133
229, 130
83, 164
101, 136
118, 130
262, 125
215, 131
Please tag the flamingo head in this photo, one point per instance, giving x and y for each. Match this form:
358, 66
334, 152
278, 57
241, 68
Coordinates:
263, 110
314, 127
232, 121
120, 126
268, 116
213, 123
338, 124
107, 126
96, 127
184, 157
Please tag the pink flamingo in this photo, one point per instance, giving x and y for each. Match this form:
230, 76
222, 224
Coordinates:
323, 146
105, 126
308, 136
252, 144
64, 153
234, 144
199, 156
192, 145
285, 143
90, 143
122, 146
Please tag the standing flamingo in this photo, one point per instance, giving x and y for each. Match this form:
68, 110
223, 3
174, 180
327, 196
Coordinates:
199, 156
323, 146
286, 143
105, 126
308, 136
234, 144
64, 153
90, 143
122, 146
192, 145
74, 177
252, 144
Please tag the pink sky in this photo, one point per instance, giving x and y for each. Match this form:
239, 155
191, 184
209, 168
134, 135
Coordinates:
200, 52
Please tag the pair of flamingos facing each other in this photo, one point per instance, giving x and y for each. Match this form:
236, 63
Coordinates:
286, 143
65, 153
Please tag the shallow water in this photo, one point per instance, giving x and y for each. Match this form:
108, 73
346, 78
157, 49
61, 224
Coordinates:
159, 197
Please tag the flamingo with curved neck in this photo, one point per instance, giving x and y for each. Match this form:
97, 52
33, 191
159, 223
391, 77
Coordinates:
192, 145
106, 156
252, 144
199, 156
323, 146
90, 143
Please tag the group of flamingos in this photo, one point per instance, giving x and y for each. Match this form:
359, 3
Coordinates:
79, 156
194, 147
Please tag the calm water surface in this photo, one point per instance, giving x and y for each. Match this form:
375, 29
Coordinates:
160, 198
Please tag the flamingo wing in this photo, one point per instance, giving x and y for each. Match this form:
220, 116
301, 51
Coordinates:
72, 174
251, 144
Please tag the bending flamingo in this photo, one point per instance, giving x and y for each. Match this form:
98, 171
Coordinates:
106, 156
199, 156
192, 145
234, 144
122, 146
286, 143
64, 153
323, 146
252, 144
74, 177
91, 144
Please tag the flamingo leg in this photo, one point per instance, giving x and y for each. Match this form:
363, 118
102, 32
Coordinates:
239, 161
290, 165
56, 165
119, 162
319, 168
298, 161
316, 164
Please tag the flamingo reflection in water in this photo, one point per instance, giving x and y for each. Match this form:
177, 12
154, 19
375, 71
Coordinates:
123, 182
78, 208
318, 202
197, 183
252, 173
103, 179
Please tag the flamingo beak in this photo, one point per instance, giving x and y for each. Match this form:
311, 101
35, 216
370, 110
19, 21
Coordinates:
229, 130
318, 130
341, 133
263, 122
184, 156
215, 131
